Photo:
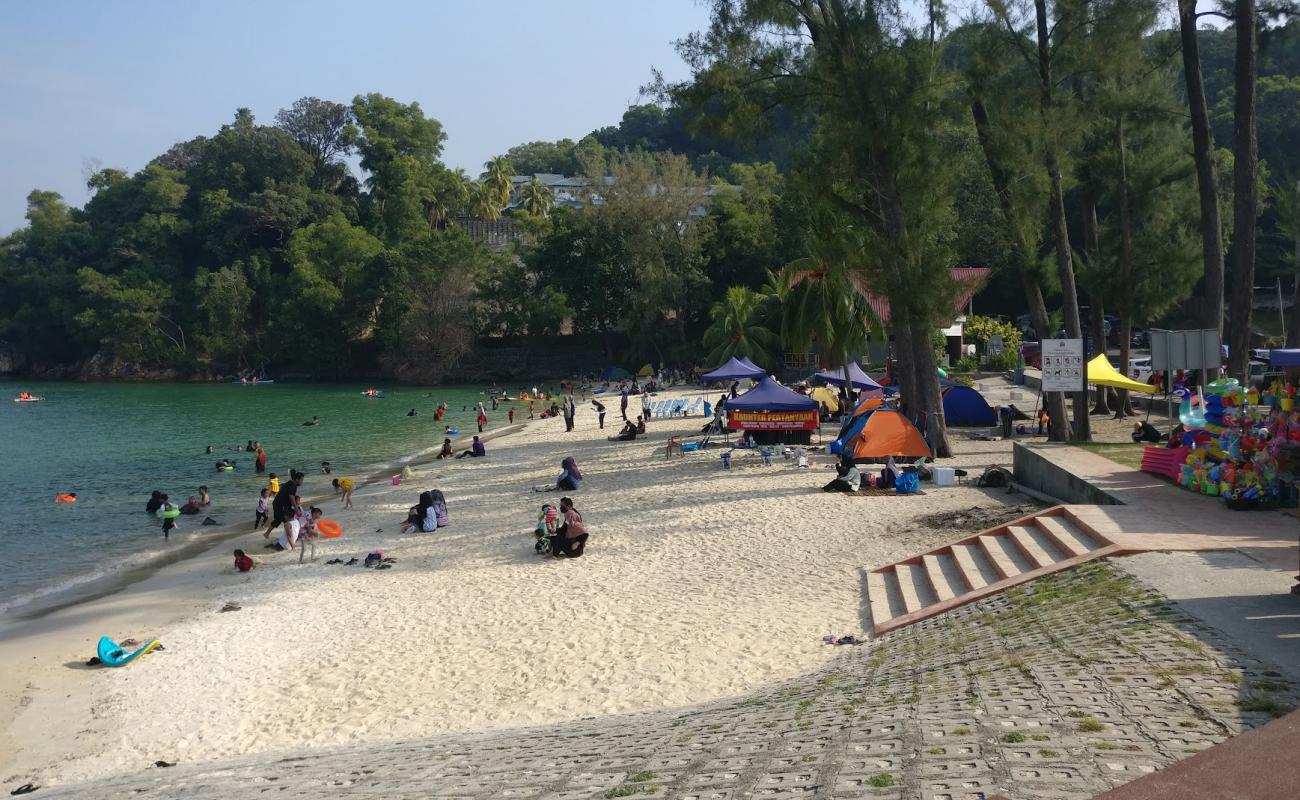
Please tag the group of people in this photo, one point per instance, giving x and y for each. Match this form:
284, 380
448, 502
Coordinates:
560, 531
630, 430
429, 514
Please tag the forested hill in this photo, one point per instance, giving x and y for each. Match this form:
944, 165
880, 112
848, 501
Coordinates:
257, 248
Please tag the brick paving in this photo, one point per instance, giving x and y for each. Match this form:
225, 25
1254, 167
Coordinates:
1060, 689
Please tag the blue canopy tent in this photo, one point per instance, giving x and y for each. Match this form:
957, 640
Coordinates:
964, 406
745, 360
769, 395
857, 377
734, 370
1284, 359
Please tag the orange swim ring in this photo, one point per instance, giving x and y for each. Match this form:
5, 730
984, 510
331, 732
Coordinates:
329, 529
65, 497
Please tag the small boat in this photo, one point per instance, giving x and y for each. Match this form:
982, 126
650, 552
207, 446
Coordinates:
373, 394
258, 382
28, 399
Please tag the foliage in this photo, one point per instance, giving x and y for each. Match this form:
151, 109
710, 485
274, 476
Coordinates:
739, 329
981, 329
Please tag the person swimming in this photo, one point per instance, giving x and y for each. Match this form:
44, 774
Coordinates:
411, 413
312, 421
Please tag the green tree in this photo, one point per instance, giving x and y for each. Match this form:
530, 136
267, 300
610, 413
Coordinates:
739, 330
497, 180
399, 150
537, 198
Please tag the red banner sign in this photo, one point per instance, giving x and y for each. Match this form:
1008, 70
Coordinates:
772, 420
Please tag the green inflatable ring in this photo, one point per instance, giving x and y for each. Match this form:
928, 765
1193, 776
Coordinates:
169, 514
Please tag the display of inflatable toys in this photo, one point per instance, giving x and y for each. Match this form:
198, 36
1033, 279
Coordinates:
1252, 396
1191, 412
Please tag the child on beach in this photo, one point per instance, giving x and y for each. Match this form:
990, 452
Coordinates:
263, 505
245, 562
446, 451
343, 486
169, 520
307, 534
545, 529
273, 485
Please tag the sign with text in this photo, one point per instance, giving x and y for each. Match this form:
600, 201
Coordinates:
772, 420
1063, 368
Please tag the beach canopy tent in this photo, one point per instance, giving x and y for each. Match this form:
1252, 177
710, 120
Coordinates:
857, 377
734, 370
745, 360
769, 395
826, 396
614, 374
1101, 373
646, 371
964, 406
1284, 359
886, 432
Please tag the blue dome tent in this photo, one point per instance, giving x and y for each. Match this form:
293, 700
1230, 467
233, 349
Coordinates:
963, 406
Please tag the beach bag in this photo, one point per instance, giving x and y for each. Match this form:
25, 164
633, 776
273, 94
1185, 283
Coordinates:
994, 476
907, 483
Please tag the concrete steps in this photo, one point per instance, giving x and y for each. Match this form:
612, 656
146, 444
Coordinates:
975, 567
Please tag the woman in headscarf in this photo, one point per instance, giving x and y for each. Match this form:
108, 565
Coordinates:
439, 508
570, 476
421, 515
848, 479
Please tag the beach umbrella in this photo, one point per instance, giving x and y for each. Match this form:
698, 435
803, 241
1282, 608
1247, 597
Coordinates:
823, 394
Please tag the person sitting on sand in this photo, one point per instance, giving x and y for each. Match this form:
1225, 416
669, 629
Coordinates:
571, 536
627, 434
343, 486
440, 514
640, 426
476, 450
245, 562
446, 451
569, 481
422, 515
847, 479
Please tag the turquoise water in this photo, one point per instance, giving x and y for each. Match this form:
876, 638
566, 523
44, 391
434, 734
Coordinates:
112, 444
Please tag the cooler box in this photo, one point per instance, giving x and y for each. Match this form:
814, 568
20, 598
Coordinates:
943, 476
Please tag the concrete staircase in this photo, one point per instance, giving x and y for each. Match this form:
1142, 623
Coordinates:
978, 566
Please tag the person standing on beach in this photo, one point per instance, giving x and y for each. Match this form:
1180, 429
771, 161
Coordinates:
261, 458
511, 415
568, 415
600, 413
482, 418
622, 406
285, 503
530, 409
263, 506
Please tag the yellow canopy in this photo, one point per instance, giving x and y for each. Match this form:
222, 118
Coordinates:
1101, 373
646, 371
824, 394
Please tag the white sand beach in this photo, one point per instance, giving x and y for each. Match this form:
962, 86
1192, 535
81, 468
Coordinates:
697, 583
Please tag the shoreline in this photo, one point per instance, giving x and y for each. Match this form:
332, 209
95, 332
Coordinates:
110, 583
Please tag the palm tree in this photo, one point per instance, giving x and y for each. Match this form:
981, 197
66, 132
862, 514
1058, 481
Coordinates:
483, 202
824, 295
738, 331
498, 179
537, 198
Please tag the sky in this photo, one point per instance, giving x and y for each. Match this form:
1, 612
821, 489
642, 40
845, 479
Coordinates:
88, 84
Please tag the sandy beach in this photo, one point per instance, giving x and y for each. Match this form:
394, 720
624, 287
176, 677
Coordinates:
698, 583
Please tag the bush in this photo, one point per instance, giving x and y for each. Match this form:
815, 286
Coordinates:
967, 364
981, 329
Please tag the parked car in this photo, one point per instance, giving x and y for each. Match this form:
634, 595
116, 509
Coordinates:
1140, 338
1255, 373
1139, 369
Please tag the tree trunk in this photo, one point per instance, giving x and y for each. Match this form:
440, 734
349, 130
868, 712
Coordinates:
1293, 330
905, 375
1206, 180
1056, 202
1123, 409
1245, 192
1097, 308
1054, 402
927, 379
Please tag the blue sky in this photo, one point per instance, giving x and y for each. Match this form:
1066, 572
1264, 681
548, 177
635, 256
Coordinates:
118, 83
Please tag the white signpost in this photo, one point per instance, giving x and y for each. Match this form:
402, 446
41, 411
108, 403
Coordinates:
1063, 367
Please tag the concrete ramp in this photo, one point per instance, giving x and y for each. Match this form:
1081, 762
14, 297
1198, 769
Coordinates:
989, 562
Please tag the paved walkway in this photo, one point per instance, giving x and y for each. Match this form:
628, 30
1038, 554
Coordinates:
1060, 689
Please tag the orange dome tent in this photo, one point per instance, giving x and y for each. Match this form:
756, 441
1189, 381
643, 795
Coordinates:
888, 433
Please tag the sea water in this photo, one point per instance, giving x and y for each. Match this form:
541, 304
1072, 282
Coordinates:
113, 444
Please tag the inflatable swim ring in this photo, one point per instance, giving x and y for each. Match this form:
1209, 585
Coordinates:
227, 469
329, 529
452, 431
65, 497
169, 514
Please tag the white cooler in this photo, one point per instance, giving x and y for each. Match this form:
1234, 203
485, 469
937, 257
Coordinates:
943, 476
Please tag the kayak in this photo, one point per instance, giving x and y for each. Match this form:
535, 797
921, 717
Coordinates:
252, 383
